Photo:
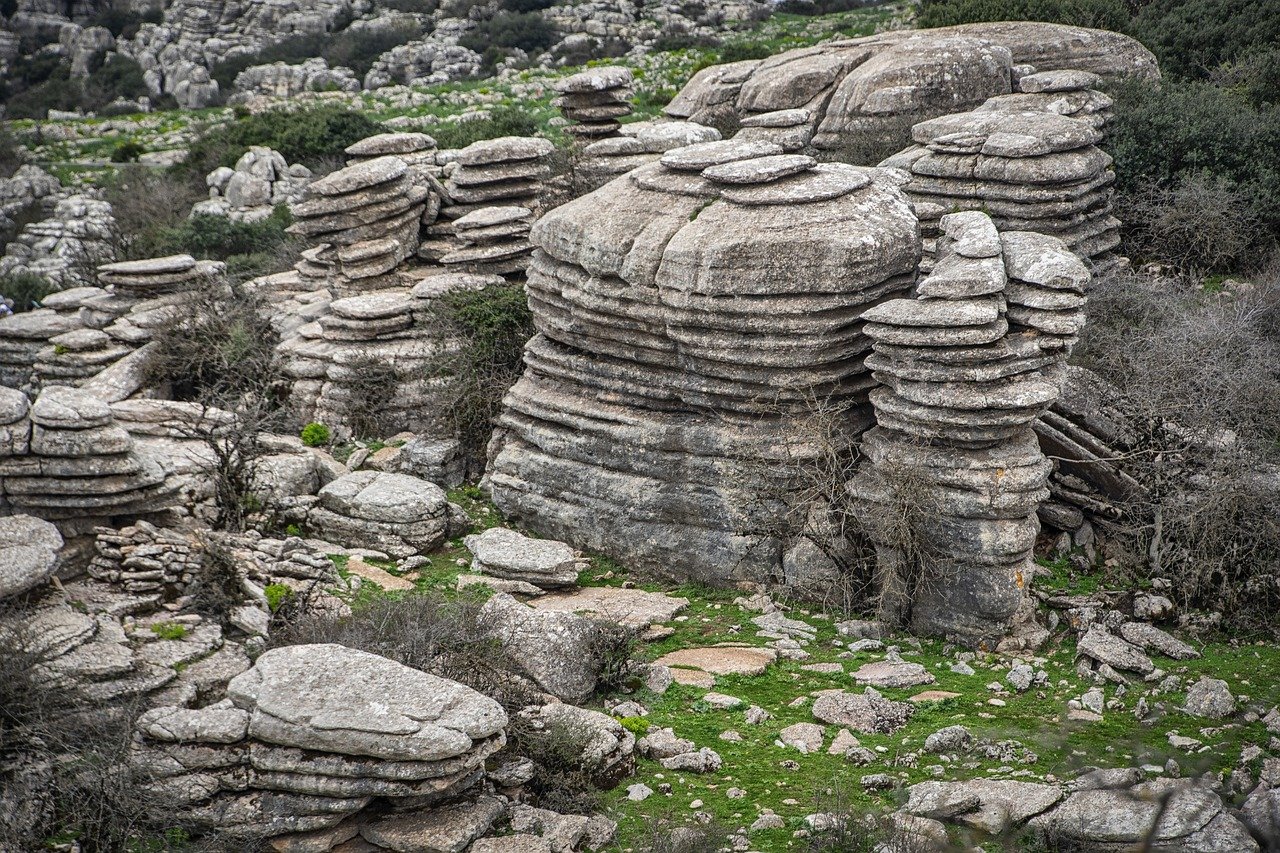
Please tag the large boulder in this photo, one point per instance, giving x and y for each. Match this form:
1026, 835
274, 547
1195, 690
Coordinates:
560, 651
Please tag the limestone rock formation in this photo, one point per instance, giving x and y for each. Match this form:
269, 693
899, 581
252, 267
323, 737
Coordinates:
394, 513
282, 80
965, 369
369, 358
260, 180
493, 240
1030, 171
28, 553
688, 313
504, 553
362, 221
65, 247
639, 144
595, 100
862, 94
310, 735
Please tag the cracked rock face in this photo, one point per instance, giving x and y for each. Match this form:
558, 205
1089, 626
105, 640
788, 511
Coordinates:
684, 322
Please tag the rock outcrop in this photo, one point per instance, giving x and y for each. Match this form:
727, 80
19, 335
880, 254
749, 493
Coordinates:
260, 180
688, 314
862, 95
638, 144
965, 369
1030, 171
394, 513
282, 80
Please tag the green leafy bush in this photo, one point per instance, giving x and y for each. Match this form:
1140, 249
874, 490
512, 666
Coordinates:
502, 121
316, 435
510, 31
277, 595
127, 152
24, 290
494, 324
1102, 14
249, 248
1192, 38
1162, 136
302, 136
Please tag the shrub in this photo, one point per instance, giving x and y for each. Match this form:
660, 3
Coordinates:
124, 20
1101, 14
1192, 38
169, 630
742, 50
216, 589
316, 435
501, 121
24, 290
1196, 375
117, 77
249, 248
1162, 136
419, 7
493, 325
359, 48
821, 7
302, 136
1199, 225
560, 782
127, 152
278, 595
144, 201
507, 31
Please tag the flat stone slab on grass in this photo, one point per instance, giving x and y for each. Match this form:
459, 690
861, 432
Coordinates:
377, 575
634, 608
887, 673
721, 660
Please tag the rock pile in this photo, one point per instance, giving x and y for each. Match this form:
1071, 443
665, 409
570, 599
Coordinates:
417, 150
369, 357
686, 314
638, 144
261, 179
1030, 171
595, 100
1070, 93
147, 279
965, 369
23, 337
363, 221
65, 459
494, 240
309, 737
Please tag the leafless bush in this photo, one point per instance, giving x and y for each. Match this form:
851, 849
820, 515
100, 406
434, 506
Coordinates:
144, 199
560, 782
1200, 224
219, 353
869, 147
1198, 375
367, 414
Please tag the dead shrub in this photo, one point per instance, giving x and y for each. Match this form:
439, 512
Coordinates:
367, 414
1198, 375
560, 782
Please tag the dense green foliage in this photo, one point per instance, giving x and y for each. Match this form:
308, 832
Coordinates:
219, 238
43, 82
316, 435
502, 121
1102, 14
24, 290
1194, 38
1165, 136
302, 136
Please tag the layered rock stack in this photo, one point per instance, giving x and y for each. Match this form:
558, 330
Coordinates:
363, 221
137, 281
498, 172
65, 459
74, 357
688, 315
1070, 93
1030, 171
23, 337
965, 369
638, 144
333, 361
311, 736
594, 100
394, 513
494, 240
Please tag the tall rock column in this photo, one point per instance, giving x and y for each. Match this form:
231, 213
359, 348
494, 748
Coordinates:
965, 369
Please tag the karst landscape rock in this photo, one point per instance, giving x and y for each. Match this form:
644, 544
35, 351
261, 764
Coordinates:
547, 427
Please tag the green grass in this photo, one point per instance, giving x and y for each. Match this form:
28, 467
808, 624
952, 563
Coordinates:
169, 630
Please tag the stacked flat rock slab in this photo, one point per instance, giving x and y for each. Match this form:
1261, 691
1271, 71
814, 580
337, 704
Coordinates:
1030, 171
362, 221
594, 100
418, 151
510, 555
23, 337
153, 277
394, 513
1070, 93
686, 313
74, 357
637, 144
67, 459
310, 736
493, 240
391, 332
965, 369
